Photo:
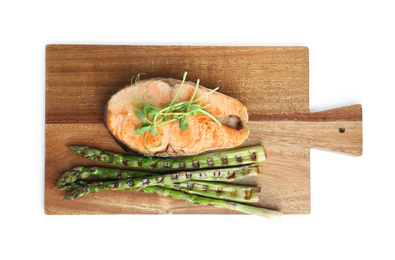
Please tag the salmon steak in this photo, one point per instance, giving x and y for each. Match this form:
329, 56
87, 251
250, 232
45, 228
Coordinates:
203, 134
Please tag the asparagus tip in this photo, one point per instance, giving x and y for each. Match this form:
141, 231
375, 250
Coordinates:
76, 148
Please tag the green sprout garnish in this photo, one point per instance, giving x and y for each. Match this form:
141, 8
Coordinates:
153, 117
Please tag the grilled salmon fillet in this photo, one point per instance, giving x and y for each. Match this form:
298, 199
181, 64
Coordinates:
203, 134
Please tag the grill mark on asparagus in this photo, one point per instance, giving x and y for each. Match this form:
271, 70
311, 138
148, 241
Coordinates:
153, 165
247, 194
145, 181
253, 156
159, 179
196, 164
174, 176
224, 159
219, 190
166, 165
181, 165
130, 183
210, 162
113, 186
234, 192
231, 174
190, 185
118, 175
189, 174
238, 158
202, 175
139, 163
124, 162
217, 174
204, 187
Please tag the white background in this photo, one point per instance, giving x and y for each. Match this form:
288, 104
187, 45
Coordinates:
352, 57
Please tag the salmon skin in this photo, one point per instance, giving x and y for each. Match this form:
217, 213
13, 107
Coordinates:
203, 134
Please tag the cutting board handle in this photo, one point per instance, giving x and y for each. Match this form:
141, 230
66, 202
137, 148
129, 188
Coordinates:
338, 130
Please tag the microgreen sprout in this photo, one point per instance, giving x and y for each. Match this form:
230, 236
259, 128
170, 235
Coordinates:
154, 118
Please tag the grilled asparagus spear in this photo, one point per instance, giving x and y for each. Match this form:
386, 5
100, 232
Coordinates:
271, 214
81, 172
232, 192
241, 156
225, 191
222, 174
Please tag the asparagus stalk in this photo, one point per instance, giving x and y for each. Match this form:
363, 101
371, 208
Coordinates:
81, 172
232, 192
222, 174
241, 156
271, 214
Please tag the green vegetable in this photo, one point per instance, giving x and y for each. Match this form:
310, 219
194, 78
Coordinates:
235, 157
271, 214
81, 172
223, 174
153, 117
225, 191
185, 181
229, 192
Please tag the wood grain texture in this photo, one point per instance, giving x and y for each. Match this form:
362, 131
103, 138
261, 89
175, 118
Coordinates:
272, 82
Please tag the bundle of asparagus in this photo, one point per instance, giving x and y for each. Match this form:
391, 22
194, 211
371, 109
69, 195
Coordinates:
205, 186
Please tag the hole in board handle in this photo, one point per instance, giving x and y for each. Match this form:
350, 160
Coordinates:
342, 130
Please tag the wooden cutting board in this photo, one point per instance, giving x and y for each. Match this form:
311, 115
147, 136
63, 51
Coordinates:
272, 82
